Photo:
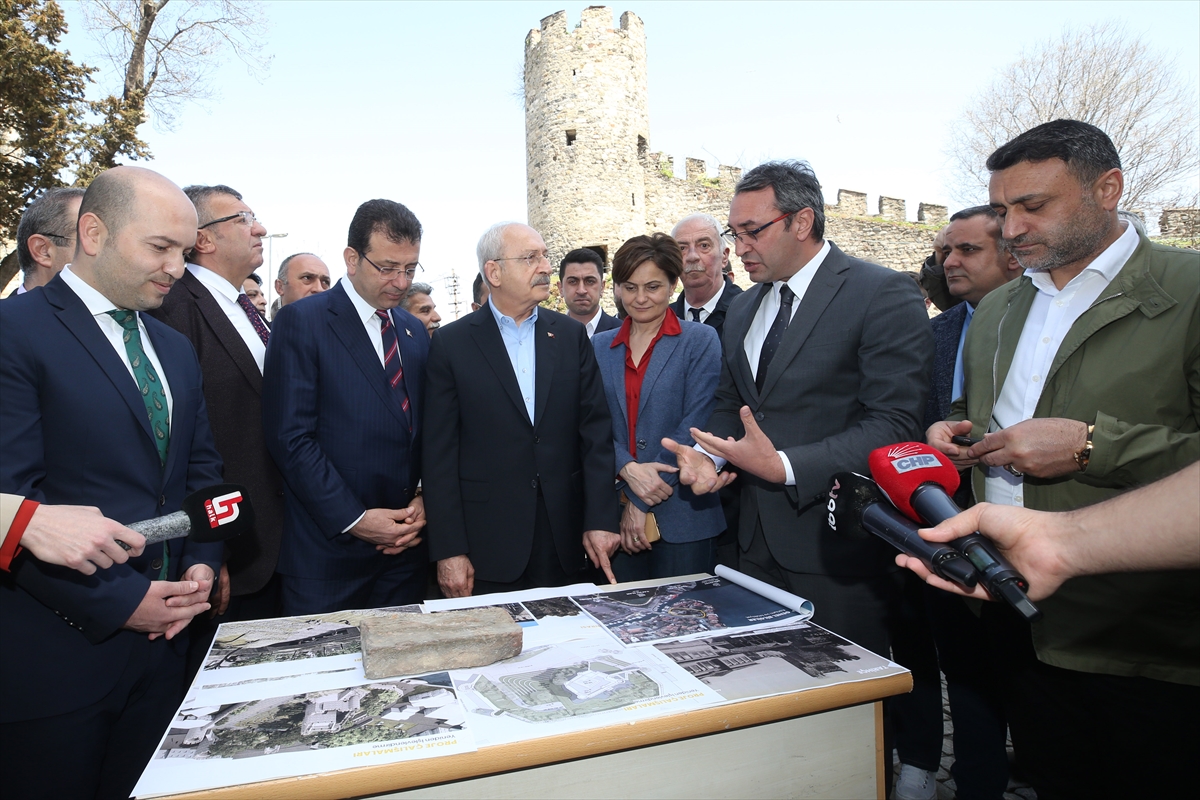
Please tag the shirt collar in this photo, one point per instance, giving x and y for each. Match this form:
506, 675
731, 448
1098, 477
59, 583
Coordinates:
501, 317
799, 282
591, 323
670, 327
365, 310
712, 301
1107, 264
96, 303
215, 282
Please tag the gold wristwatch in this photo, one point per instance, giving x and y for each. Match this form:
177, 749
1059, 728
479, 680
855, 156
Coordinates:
1085, 455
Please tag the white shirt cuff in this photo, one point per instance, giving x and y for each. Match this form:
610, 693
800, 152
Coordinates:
717, 460
352, 524
787, 468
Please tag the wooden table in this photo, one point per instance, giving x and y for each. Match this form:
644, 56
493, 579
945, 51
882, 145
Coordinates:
824, 742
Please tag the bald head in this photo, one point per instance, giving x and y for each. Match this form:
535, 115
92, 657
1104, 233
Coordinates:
134, 226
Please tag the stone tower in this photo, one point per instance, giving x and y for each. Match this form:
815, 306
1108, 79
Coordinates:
587, 130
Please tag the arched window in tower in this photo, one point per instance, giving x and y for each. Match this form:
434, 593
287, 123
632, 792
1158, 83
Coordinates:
570, 138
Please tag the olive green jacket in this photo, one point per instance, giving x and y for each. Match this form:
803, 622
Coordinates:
1131, 365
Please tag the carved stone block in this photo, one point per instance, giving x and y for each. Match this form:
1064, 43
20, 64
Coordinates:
410, 644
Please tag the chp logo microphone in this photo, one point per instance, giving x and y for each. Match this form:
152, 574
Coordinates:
856, 505
919, 480
210, 515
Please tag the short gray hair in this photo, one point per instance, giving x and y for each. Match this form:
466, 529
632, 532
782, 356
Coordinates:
283, 266
706, 218
415, 288
491, 244
46, 215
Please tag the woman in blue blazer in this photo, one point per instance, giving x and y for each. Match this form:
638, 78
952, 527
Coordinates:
660, 378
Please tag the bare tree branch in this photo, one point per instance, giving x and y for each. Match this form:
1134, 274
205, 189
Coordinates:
1103, 75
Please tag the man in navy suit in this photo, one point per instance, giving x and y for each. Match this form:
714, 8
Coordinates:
102, 407
342, 414
519, 465
581, 284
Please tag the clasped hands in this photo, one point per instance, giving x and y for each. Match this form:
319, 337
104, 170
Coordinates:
392, 530
1042, 448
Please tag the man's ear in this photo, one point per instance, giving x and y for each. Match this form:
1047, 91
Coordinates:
39, 249
205, 243
92, 234
802, 224
1107, 189
350, 256
491, 273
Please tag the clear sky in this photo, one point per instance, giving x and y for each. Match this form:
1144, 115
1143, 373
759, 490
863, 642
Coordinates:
419, 102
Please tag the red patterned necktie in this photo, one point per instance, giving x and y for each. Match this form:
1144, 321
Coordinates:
255, 318
391, 362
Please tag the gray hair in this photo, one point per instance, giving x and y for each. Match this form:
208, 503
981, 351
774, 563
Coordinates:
46, 215
200, 195
283, 266
491, 244
415, 288
708, 219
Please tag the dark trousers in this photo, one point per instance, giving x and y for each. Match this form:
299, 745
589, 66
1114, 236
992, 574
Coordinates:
1105, 736
857, 607
979, 654
101, 750
916, 717
263, 604
665, 560
544, 567
395, 581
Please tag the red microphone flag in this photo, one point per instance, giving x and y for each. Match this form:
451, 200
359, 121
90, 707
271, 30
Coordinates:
900, 468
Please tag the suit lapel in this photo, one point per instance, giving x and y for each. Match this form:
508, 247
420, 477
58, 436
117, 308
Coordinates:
224, 331
658, 361
486, 334
349, 330
75, 316
737, 325
545, 353
612, 362
820, 292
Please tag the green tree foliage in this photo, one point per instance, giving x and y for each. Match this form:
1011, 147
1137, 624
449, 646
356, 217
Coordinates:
41, 106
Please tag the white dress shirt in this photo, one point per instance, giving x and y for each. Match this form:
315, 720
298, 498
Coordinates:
372, 324
764, 318
226, 295
98, 306
707, 308
593, 322
1050, 318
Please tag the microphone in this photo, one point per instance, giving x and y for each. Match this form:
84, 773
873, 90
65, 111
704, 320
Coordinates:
856, 504
920, 480
209, 515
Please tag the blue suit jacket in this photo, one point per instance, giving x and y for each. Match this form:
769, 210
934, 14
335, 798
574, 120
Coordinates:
73, 429
678, 393
337, 432
947, 328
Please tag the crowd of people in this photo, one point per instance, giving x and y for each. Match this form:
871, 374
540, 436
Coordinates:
389, 456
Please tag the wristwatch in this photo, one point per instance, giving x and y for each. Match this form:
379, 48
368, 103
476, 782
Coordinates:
1085, 455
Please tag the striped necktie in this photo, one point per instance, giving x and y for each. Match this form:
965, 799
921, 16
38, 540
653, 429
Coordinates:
391, 362
255, 318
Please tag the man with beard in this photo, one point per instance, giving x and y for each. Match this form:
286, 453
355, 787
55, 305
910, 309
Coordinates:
519, 462
1083, 380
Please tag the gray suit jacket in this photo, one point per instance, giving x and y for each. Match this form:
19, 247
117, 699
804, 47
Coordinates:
850, 375
677, 394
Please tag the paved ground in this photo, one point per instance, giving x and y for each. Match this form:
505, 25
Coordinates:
945, 790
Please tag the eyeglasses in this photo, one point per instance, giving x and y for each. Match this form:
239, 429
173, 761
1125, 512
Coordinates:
390, 272
55, 236
530, 259
752, 236
245, 217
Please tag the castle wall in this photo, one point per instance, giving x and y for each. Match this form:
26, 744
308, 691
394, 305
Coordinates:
586, 120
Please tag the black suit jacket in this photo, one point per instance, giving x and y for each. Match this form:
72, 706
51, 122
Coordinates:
485, 461
717, 318
233, 393
850, 375
606, 322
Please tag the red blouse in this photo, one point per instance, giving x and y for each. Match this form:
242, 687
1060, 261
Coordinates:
635, 374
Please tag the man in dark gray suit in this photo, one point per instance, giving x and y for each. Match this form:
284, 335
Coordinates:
833, 362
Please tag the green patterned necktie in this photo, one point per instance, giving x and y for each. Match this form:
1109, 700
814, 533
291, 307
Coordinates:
147, 380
